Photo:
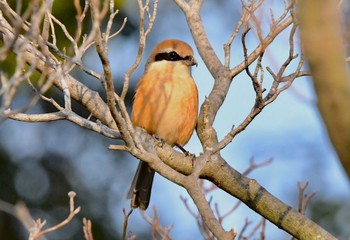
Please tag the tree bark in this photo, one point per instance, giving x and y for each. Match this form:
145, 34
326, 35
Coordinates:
322, 41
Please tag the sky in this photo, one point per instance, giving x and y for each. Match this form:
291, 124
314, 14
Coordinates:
290, 131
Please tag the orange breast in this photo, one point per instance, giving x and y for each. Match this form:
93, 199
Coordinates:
166, 102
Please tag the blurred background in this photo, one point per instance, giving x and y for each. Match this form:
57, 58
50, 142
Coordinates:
41, 162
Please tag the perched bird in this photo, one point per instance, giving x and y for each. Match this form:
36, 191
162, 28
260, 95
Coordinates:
165, 105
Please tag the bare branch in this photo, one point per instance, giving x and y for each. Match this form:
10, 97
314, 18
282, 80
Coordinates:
46, 25
261, 102
126, 219
265, 42
22, 36
102, 50
206, 212
330, 72
67, 115
87, 228
74, 61
47, 64
304, 199
36, 233
227, 47
80, 17
142, 40
157, 229
244, 228
67, 34
261, 225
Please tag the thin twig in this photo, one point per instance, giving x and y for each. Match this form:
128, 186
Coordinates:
87, 228
142, 40
37, 233
126, 220
157, 229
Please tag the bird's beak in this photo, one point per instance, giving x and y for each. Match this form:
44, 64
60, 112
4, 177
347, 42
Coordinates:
194, 62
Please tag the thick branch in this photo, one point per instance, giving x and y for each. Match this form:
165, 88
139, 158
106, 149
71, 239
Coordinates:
163, 158
222, 74
320, 29
250, 192
211, 60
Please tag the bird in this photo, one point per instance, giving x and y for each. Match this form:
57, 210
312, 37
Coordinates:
165, 105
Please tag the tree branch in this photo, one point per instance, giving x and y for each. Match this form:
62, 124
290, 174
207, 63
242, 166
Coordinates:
88, 98
251, 193
180, 169
320, 29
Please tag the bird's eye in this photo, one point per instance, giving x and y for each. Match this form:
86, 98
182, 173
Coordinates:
173, 56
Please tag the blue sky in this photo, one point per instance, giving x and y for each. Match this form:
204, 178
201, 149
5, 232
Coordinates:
289, 130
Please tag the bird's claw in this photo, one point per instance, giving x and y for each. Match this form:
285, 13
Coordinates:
160, 141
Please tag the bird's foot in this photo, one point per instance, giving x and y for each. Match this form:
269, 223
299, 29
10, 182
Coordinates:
187, 153
160, 141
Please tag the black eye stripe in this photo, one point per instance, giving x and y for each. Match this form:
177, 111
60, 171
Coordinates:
170, 56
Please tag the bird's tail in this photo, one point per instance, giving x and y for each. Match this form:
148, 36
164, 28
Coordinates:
141, 186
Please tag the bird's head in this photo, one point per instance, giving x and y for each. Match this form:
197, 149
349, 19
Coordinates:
173, 50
